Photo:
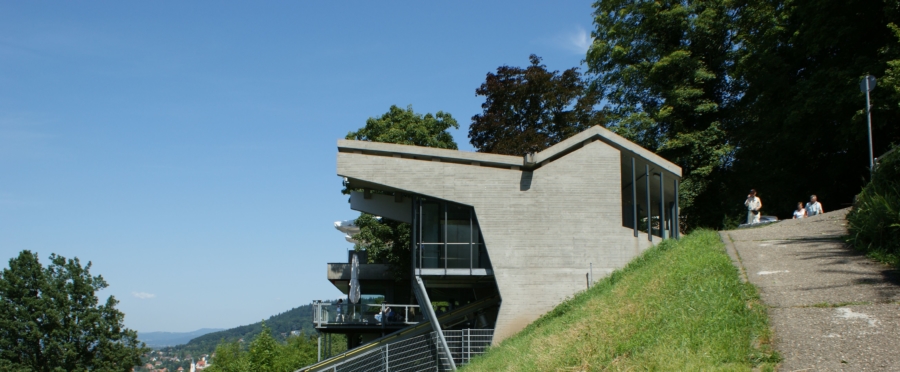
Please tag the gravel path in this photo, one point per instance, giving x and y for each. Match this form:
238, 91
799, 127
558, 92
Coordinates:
831, 308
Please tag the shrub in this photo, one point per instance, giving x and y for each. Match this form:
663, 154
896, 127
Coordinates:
874, 221
266, 354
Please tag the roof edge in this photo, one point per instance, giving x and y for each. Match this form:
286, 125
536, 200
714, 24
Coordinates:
547, 155
429, 152
609, 137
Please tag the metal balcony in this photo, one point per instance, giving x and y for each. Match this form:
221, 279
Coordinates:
326, 314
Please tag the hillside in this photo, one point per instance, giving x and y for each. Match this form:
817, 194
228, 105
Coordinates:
163, 339
296, 319
680, 306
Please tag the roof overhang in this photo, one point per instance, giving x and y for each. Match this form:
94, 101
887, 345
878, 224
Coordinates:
596, 133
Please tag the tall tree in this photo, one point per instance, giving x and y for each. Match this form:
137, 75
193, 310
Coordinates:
804, 129
51, 319
530, 109
662, 67
264, 352
405, 127
387, 240
230, 358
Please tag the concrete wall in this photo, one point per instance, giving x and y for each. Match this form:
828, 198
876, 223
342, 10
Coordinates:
542, 229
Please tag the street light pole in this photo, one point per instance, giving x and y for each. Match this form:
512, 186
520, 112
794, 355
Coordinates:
869, 117
867, 85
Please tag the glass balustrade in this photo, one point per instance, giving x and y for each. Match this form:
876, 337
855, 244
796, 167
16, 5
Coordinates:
329, 313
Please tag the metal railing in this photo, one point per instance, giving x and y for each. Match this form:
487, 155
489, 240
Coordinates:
467, 343
451, 259
418, 353
327, 313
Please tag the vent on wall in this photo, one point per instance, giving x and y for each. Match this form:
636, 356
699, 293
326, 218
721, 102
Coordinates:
529, 159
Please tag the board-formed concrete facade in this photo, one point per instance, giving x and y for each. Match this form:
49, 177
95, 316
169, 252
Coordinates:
545, 220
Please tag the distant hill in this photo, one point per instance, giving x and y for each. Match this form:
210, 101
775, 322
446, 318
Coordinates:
162, 339
296, 319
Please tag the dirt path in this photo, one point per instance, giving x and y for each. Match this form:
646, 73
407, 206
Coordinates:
831, 308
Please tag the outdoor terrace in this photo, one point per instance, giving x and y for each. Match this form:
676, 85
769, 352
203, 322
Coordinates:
326, 315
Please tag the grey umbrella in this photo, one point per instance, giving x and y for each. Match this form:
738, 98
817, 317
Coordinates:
354, 280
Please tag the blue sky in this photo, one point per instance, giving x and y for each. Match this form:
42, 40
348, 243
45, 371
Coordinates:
188, 149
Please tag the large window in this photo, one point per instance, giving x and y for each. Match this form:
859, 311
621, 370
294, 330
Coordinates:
648, 198
447, 236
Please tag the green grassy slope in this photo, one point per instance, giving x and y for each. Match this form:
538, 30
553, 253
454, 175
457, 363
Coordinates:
680, 306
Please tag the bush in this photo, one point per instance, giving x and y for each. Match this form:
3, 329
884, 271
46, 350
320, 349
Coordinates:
874, 221
265, 354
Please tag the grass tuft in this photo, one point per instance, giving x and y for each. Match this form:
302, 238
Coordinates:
679, 306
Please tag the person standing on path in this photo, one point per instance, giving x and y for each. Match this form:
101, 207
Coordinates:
814, 207
339, 311
753, 204
800, 212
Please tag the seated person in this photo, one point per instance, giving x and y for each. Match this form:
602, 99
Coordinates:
384, 314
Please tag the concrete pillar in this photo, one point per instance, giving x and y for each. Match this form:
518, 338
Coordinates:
662, 207
634, 199
677, 215
649, 209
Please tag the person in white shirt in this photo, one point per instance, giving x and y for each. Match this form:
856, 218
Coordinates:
814, 207
753, 204
800, 212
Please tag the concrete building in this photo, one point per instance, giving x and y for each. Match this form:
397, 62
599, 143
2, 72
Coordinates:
527, 232
537, 224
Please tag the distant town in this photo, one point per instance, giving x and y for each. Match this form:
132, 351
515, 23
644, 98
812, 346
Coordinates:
160, 361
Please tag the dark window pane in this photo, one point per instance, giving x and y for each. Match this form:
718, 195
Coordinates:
458, 224
431, 222
458, 256
431, 256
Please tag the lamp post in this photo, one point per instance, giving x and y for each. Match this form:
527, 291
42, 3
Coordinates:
866, 86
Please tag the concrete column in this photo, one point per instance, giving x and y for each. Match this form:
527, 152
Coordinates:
662, 207
634, 199
649, 209
414, 236
471, 237
677, 215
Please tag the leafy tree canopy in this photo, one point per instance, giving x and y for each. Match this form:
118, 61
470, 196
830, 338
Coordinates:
530, 109
385, 241
661, 66
749, 94
804, 127
406, 127
265, 354
51, 319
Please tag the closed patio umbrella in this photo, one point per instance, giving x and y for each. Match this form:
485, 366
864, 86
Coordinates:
354, 280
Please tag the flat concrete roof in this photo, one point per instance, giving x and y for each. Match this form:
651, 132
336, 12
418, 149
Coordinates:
506, 161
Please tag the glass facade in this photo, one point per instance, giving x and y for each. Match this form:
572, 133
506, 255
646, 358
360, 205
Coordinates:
649, 198
447, 236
